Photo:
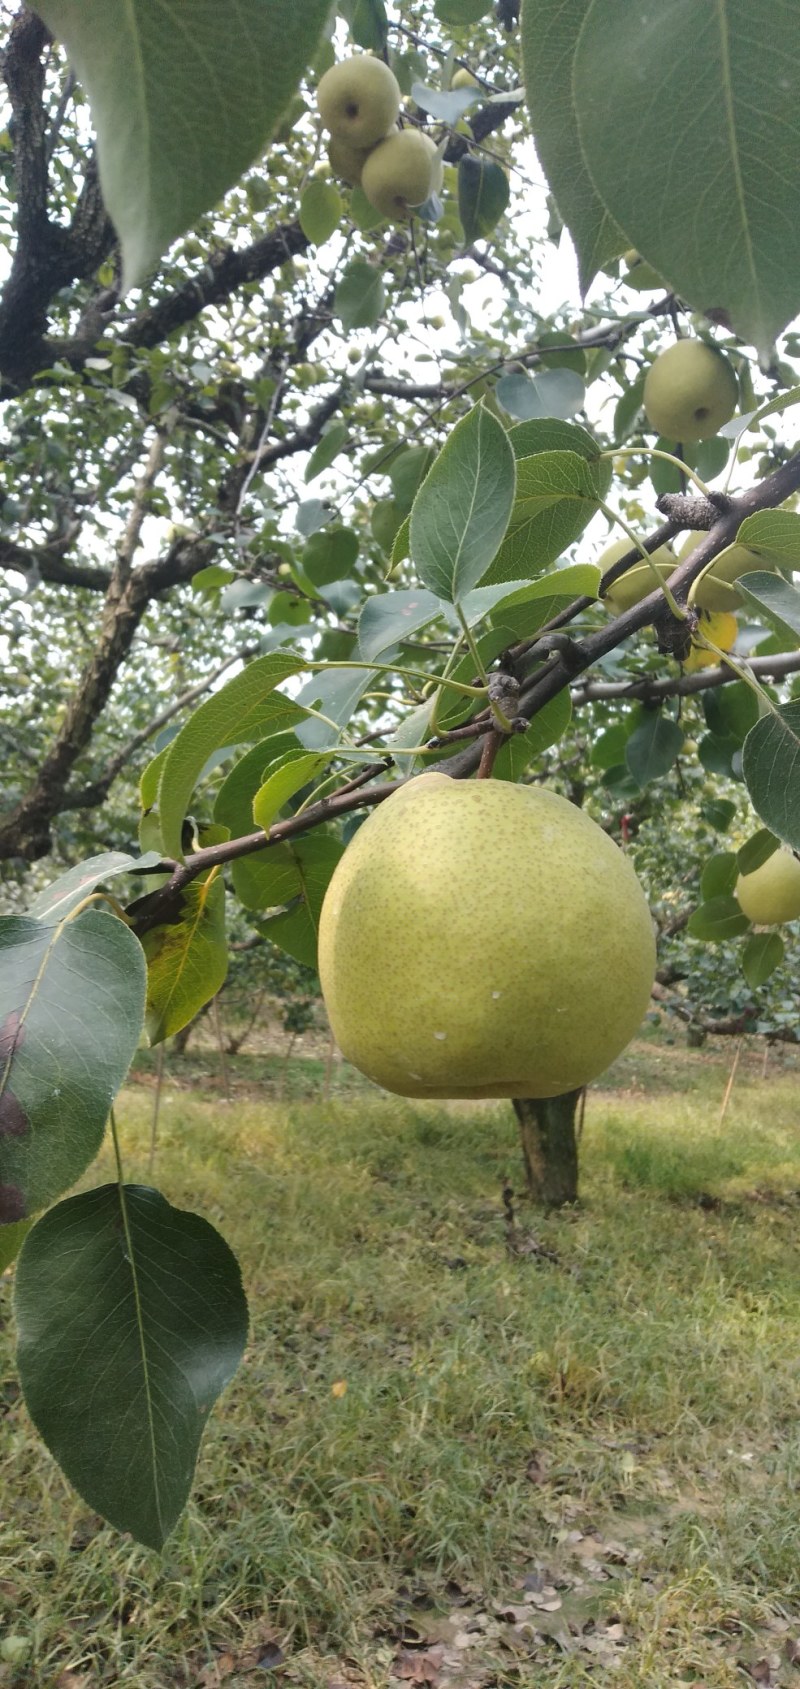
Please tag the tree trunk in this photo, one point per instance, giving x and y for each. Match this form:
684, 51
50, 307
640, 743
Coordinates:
550, 1147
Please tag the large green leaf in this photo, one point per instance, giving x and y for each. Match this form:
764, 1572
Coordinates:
547, 727
183, 99
731, 710
774, 599
762, 954
774, 535
550, 30
321, 207
292, 879
717, 919
652, 747
552, 393
360, 296
70, 889
461, 511
329, 555
71, 1008
335, 693
131, 1320
389, 617
719, 875
558, 492
297, 770
771, 768
483, 194
245, 709
330, 445
552, 434
187, 958
730, 243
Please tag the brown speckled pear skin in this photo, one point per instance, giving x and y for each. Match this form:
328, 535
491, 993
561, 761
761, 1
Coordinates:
481, 939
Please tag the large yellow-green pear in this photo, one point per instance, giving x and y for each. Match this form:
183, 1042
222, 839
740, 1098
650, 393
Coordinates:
401, 172
481, 939
771, 894
690, 391
359, 100
634, 585
714, 590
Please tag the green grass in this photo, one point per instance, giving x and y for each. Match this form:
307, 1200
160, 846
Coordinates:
620, 1423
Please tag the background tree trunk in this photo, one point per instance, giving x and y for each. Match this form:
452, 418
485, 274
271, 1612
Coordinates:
550, 1146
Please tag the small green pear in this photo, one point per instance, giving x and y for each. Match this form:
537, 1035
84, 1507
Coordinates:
690, 391
640, 275
401, 172
714, 590
638, 581
359, 100
347, 162
463, 78
771, 894
481, 939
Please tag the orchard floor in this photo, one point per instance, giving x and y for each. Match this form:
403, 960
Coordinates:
459, 1454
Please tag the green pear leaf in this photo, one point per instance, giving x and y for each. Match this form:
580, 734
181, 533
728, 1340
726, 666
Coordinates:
719, 875
131, 1319
389, 617
71, 1009
553, 392
483, 194
775, 600
756, 851
297, 770
717, 919
549, 31
187, 958
729, 248
652, 747
330, 555
771, 768
56, 900
762, 954
292, 878
557, 494
240, 711
461, 512
181, 103
360, 296
321, 207
333, 439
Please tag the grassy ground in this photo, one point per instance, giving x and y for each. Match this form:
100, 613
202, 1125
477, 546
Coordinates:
454, 1456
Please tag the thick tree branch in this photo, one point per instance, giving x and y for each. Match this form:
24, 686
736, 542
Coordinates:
47, 256
155, 908
25, 830
651, 691
217, 281
90, 797
47, 564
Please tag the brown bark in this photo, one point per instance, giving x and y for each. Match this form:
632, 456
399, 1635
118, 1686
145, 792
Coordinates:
550, 1147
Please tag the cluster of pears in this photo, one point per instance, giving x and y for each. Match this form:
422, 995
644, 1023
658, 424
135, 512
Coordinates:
397, 169
770, 895
713, 597
483, 939
690, 392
